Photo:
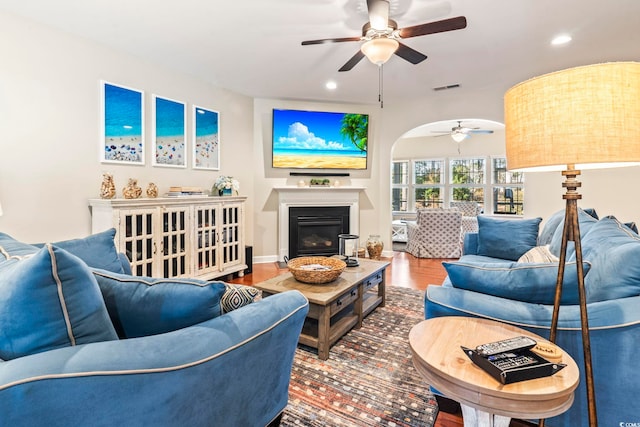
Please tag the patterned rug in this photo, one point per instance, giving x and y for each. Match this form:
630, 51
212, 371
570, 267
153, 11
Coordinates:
369, 378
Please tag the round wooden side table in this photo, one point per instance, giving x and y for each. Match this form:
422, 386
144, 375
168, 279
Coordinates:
437, 356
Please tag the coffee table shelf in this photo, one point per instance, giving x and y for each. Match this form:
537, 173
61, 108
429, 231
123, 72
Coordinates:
336, 307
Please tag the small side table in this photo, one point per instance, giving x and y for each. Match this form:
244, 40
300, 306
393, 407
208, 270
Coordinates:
437, 355
399, 231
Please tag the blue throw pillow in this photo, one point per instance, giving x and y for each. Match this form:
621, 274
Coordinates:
614, 253
534, 283
549, 227
141, 306
98, 250
11, 247
585, 222
49, 300
506, 238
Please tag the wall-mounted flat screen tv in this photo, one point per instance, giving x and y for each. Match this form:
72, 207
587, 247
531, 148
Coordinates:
319, 140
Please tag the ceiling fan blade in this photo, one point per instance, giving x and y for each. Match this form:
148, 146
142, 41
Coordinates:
336, 40
353, 61
378, 14
480, 131
450, 24
409, 54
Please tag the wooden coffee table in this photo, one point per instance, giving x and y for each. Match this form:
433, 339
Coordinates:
336, 307
437, 355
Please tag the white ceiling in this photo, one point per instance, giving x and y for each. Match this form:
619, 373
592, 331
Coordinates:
253, 46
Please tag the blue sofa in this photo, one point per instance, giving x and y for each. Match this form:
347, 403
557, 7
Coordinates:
508, 272
84, 343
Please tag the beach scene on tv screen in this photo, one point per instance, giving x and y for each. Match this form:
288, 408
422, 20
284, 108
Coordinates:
319, 140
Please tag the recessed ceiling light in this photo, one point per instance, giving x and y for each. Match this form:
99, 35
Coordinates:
331, 85
561, 39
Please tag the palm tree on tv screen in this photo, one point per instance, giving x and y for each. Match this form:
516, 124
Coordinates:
354, 127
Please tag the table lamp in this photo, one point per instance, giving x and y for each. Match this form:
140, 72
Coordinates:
579, 118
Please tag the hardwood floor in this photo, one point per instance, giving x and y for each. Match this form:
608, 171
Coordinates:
406, 271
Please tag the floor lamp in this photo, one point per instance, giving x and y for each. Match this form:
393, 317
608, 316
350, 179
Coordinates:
579, 118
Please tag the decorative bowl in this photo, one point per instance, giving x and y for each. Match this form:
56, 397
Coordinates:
302, 269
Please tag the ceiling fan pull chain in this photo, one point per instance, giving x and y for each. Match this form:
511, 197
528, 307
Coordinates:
380, 87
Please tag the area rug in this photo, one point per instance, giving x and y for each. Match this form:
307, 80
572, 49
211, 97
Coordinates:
369, 378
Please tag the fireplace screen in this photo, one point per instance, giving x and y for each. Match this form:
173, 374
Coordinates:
314, 230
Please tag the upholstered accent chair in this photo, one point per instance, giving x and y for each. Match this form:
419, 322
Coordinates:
435, 234
470, 211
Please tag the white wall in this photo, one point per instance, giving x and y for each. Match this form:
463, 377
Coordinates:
50, 129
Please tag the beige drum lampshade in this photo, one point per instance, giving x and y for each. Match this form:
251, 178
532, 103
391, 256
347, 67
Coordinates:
587, 117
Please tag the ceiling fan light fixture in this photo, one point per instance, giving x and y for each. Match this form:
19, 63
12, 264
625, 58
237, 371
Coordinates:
380, 49
458, 136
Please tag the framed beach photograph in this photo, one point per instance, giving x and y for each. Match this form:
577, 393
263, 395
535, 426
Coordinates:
206, 139
122, 124
169, 118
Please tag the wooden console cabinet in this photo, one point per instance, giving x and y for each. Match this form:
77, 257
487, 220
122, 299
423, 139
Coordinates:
199, 237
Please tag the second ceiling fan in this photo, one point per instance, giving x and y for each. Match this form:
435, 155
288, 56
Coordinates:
381, 36
459, 133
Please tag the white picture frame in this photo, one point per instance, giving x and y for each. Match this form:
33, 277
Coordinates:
169, 126
205, 139
122, 124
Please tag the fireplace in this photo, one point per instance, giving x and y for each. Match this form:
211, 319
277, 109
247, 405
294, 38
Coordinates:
316, 198
313, 230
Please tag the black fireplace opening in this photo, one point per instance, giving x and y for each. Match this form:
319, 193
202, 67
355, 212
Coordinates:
313, 230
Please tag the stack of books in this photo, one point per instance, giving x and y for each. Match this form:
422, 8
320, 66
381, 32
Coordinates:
185, 192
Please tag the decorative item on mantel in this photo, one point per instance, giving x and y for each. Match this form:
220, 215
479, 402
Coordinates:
152, 190
225, 186
132, 190
374, 246
319, 182
108, 188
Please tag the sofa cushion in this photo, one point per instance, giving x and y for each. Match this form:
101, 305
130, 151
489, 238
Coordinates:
534, 283
585, 222
506, 238
236, 296
538, 254
97, 250
49, 299
141, 306
613, 250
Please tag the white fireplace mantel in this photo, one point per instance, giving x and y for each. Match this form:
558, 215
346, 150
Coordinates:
291, 196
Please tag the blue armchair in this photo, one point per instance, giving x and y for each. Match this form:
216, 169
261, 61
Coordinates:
232, 368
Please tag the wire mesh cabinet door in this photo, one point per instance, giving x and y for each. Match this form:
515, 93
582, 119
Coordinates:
174, 237
205, 241
231, 244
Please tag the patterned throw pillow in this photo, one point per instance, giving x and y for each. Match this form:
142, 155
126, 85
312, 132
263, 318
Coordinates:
539, 254
236, 296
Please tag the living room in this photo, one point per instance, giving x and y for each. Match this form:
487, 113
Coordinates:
50, 85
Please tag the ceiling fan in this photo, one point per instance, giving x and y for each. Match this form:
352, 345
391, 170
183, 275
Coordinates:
459, 133
382, 36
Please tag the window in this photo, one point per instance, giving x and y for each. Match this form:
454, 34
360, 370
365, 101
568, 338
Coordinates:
428, 183
400, 186
467, 180
433, 183
508, 192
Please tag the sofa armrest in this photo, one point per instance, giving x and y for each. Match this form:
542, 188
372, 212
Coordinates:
470, 244
233, 369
